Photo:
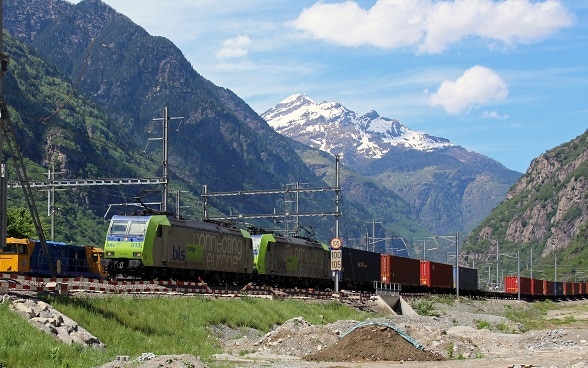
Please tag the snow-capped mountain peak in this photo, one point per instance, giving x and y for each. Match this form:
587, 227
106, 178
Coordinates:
333, 128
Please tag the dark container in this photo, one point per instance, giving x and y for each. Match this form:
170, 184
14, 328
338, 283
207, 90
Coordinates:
468, 278
558, 288
359, 267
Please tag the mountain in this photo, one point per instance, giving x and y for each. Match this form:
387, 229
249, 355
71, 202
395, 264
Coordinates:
543, 216
102, 62
331, 127
132, 76
450, 188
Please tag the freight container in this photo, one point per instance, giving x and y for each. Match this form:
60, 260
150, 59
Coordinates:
568, 289
436, 275
548, 288
468, 278
400, 270
536, 287
511, 285
577, 288
359, 269
558, 288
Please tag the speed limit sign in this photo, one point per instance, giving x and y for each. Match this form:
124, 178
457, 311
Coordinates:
336, 259
336, 243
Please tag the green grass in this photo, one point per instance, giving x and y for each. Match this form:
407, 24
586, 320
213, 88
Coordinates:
480, 325
161, 325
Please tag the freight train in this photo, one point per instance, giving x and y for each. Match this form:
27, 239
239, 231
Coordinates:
26, 257
533, 289
161, 247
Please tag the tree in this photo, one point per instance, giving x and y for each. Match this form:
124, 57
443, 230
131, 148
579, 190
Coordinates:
20, 224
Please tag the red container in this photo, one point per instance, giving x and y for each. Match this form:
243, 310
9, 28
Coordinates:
511, 285
536, 287
582, 290
400, 270
548, 288
436, 275
568, 288
577, 290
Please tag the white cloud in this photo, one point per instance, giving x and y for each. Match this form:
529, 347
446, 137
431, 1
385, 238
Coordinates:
433, 25
493, 115
477, 86
234, 47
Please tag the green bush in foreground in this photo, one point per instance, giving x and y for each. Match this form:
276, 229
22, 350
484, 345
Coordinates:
161, 325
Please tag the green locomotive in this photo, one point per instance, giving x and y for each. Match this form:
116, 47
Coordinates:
150, 247
161, 247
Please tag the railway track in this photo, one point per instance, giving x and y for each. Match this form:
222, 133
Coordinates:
18, 284
12, 283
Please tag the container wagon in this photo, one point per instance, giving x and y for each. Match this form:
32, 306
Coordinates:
359, 269
558, 288
536, 287
511, 285
437, 276
568, 289
400, 270
548, 288
468, 278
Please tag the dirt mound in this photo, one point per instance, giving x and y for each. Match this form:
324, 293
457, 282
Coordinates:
373, 343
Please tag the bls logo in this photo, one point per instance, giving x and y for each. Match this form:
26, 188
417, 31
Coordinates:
179, 254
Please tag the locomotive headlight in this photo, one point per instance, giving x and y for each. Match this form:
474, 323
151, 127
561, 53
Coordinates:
136, 254
109, 253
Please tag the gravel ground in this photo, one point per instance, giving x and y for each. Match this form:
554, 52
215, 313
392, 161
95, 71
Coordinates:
452, 338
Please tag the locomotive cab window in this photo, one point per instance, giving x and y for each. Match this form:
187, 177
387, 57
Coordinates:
9, 248
128, 228
137, 228
118, 228
22, 249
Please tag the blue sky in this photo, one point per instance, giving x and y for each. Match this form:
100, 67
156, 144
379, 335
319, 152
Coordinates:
508, 79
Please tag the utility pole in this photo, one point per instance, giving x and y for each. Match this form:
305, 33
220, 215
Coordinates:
3, 200
373, 235
337, 211
519, 276
457, 265
497, 264
531, 276
51, 209
178, 206
3, 173
165, 175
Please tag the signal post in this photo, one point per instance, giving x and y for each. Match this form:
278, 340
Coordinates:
336, 259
